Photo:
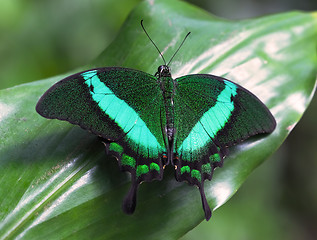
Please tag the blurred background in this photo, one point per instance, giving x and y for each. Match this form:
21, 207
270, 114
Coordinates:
42, 38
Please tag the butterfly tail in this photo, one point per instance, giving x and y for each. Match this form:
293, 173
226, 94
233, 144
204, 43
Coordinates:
129, 202
204, 202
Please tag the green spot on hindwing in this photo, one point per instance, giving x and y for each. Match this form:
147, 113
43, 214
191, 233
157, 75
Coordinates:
128, 161
206, 168
142, 169
196, 174
115, 147
155, 166
215, 158
185, 169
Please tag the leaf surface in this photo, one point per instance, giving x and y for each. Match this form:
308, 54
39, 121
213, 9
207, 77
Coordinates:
55, 179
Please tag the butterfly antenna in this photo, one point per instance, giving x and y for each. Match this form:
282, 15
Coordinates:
152, 42
178, 48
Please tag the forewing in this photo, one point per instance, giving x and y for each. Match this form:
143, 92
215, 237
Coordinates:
123, 106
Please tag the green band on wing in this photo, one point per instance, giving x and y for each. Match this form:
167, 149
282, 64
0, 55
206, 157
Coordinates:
115, 147
142, 169
128, 161
155, 166
212, 120
196, 174
185, 169
127, 119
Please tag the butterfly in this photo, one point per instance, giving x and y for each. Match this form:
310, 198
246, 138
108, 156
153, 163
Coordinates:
150, 121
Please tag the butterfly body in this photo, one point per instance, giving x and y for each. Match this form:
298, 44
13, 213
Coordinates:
167, 85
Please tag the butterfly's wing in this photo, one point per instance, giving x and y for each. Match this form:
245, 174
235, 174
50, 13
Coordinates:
211, 114
122, 106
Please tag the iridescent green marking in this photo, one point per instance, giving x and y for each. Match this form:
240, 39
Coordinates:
185, 169
116, 147
196, 174
206, 168
155, 166
212, 121
142, 169
127, 119
215, 158
127, 160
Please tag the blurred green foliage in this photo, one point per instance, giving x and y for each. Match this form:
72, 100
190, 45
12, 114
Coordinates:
44, 38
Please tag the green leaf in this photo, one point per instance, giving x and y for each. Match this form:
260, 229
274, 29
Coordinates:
57, 183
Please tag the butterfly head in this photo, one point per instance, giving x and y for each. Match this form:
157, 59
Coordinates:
163, 71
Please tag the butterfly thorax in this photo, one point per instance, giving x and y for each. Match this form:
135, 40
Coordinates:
167, 85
